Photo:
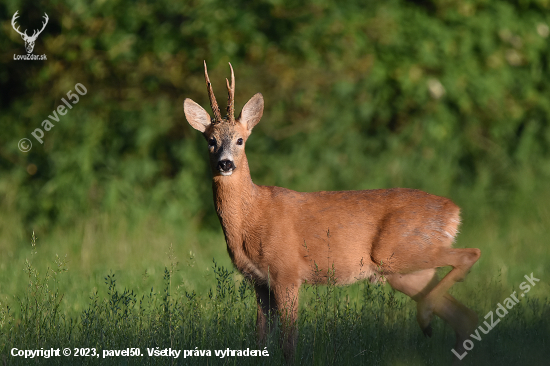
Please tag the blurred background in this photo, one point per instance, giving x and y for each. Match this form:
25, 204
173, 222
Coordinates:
450, 97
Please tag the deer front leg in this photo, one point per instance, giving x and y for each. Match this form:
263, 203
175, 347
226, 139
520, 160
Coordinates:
267, 309
287, 304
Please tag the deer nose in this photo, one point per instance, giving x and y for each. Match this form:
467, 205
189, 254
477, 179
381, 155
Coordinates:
225, 165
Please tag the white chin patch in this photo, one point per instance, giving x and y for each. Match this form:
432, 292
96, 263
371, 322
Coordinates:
225, 174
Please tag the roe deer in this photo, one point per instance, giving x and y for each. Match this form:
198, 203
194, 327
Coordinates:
277, 238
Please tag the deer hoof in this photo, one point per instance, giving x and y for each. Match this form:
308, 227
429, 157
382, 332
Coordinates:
424, 314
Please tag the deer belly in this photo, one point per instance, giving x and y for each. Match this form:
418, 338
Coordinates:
340, 270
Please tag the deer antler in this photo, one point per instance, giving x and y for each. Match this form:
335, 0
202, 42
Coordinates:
43, 26
231, 98
24, 34
15, 16
212, 97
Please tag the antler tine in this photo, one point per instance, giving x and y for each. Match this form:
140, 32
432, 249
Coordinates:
15, 16
231, 97
212, 97
44, 24
35, 34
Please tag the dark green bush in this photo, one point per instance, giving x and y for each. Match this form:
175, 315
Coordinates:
445, 96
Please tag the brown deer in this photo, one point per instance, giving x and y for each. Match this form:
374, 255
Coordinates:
280, 239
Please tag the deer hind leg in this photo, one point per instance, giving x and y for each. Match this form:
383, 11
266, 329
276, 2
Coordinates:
418, 285
267, 311
462, 319
437, 298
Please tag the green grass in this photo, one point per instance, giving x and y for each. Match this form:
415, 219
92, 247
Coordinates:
363, 324
109, 284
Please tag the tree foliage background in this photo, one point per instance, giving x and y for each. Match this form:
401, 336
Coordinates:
448, 96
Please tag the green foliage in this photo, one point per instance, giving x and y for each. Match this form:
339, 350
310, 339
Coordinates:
370, 326
442, 96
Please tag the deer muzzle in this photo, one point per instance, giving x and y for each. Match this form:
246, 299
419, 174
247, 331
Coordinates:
225, 167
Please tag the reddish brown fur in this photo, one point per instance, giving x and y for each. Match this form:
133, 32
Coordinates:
280, 239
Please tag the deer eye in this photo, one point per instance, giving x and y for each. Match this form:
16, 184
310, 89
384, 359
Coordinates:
240, 141
212, 142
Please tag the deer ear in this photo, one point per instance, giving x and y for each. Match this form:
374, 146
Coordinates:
197, 117
252, 111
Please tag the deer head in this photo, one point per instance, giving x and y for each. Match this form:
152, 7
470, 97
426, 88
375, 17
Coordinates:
29, 41
226, 136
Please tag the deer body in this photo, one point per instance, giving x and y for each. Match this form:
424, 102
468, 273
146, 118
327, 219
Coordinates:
353, 233
280, 239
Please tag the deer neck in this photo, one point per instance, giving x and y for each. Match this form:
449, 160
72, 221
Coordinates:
234, 201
